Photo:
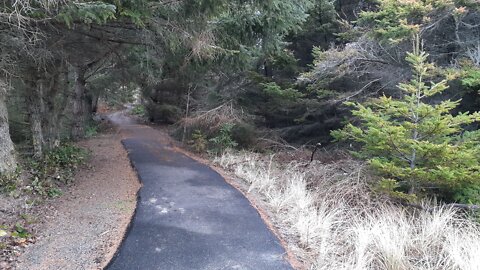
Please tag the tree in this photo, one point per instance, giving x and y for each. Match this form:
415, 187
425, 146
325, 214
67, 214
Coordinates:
7, 155
44, 41
413, 142
53, 49
450, 26
318, 31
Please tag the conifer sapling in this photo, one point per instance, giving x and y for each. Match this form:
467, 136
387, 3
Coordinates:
413, 143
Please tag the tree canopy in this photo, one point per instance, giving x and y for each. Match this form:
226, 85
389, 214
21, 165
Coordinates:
273, 67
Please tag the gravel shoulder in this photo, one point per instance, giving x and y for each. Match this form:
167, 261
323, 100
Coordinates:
84, 227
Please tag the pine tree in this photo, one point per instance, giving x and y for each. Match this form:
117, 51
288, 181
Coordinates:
412, 143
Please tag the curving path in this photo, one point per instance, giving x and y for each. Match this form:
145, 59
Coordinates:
187, 216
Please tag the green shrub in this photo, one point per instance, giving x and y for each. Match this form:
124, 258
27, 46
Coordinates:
66, 156
91, 130
471, 77
244, 134
469, 194
9, 182
57, 167
395, 21
139, 110
198, 141
273, 90
224, 139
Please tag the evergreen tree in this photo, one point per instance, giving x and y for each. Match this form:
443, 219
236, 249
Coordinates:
412, 143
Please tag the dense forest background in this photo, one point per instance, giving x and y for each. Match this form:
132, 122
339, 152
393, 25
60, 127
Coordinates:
251, 74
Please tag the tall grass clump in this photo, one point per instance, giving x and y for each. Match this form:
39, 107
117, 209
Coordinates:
331, 220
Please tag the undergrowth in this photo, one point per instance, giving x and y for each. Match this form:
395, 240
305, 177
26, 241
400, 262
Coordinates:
45, 176
91, 130
56, 168
139, 110
33, 182
223, 140
9, 181
332, 220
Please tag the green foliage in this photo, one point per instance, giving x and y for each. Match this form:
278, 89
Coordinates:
223, 140
135, 10
243, 24
9, 182
273, 90
324, 93
395, 21
20, 232
139, 110
66, 156
322, 18
244, 135
471, 77
320, 29
285, 62
198, 141
91, 129
391, 187
57, 167
87, 12
469, 194
413, 143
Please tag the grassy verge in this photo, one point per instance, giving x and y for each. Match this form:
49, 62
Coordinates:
332, 220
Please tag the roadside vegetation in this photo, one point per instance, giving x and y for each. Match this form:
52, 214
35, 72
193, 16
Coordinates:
380, 213
394, 86
33, 183
332, 219
45, 176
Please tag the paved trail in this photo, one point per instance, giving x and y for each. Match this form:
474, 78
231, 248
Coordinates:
187, 216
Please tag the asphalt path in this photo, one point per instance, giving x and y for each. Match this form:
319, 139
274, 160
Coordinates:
187, 216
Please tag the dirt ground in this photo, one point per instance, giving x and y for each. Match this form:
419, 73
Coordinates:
83, 228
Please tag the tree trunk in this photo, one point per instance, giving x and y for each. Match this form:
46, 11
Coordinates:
79, 104
51, 116
92, 103
34, 102
186, 115
7, 152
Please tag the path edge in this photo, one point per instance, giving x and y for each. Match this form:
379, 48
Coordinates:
132, 218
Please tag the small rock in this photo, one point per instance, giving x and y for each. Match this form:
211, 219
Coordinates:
20, 241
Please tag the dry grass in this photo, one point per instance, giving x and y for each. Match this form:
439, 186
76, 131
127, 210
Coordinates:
211, 121
332, 221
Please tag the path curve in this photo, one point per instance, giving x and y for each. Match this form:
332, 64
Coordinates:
187, 216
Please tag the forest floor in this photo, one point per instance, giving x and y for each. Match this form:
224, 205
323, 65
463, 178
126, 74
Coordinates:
82, 228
